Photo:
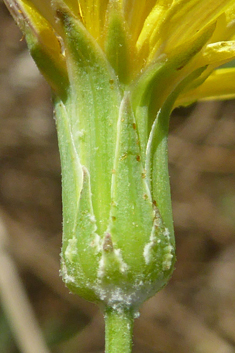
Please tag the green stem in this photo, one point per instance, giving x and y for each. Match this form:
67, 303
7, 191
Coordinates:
118, 330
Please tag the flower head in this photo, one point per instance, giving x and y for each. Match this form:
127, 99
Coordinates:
139, 35
117, 69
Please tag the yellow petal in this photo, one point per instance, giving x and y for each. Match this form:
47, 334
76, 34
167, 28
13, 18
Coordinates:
93, 14
230, 29
152, 27
192, 16
43, 7
73, 6
182, 21
28, 18
218, 53
47, 9
219, 85
135, 13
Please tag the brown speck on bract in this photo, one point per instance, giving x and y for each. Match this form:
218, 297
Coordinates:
108, 244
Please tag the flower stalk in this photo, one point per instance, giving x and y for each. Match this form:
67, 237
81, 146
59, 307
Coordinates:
118, 330
117, 69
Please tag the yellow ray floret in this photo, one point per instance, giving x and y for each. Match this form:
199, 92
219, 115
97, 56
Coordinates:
219, 85
135, 13
170, 25
28, 17
140, 33
93, 15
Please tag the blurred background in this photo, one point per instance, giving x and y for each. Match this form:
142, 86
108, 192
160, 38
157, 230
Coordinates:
195, 313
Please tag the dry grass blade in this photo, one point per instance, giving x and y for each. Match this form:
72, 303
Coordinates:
16, 304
